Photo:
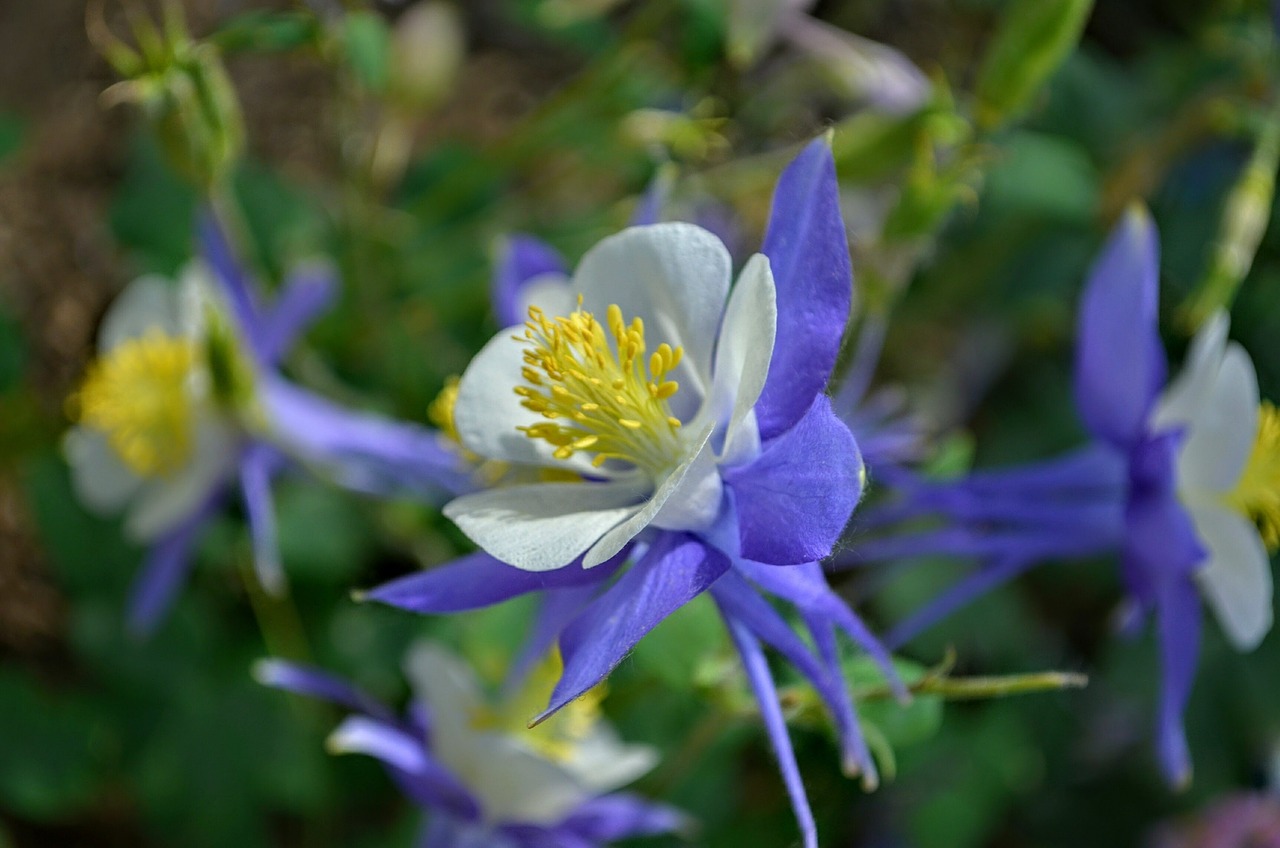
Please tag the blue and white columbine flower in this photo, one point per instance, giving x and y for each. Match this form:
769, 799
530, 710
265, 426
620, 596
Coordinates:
1183, 481
680, 425
183, 403
486, 779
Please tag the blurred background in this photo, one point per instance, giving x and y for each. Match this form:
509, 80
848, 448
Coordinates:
984, 150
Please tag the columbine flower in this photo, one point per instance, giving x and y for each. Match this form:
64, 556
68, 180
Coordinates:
691, 421
1177, 480
183, 403
484, 776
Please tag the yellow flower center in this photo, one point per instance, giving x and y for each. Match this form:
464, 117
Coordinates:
600, 397
1258, 492
138, 396
558, 736
440, 412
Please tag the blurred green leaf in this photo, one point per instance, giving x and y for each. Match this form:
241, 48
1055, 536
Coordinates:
898, 724
1034, 38
153, 210
367, 44
264, 31
1043, 176
675, 648
48, 768
13, 351
13, 131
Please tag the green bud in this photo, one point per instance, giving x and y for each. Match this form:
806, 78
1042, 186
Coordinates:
1035, 37
182, 87
367, 45
428, 46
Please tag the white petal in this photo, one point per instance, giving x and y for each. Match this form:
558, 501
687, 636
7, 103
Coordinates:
688, 498
602, 762
101, 480
550, 292
1186, 393
1222, 431
148, 303
165, 501
449, 689
515, 784
1236, 578
672, 276
743, 353
546, 525
488, 410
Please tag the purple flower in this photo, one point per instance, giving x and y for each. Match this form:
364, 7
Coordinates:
183, 405
1173, 482
486, 779
687, 435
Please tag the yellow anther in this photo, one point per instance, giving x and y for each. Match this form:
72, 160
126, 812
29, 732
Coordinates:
1257, 494
138, 395
596, 381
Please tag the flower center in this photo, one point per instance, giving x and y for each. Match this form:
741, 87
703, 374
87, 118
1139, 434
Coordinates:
1258, 492
600, 397
138, 396
559, 736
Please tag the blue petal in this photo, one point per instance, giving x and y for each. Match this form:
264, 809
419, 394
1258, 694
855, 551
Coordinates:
216, 249
809, 254
622, 815
522, 259
420, 776
757, 669
307, 292
1120, 365
795, 499
1178, 624
168, 562
478, 580
258, 464
739, 602
314, 683
364, 452
674, 570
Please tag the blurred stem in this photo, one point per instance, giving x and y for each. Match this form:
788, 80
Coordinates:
277, 617
982, 688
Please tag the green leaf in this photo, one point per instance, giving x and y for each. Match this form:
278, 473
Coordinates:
898, 724
266, 31
13, 131
47, 770
153, 210
675, 648
1035, 37
368, 48
13, 351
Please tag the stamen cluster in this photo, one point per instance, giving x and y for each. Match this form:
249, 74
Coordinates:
1258, 492
138, 396
600, 397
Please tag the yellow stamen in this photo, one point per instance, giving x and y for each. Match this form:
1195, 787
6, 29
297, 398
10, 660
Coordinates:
139, 396
597, 390
558, 736
440, 412
1258, 492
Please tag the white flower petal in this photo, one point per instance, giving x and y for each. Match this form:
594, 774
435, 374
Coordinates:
602, 762
147, 303
446, 684
515, 784
1236, 578
1222, 430
688, 498
551, 293
672, 276
101, 480
743, 354
165, 501
546, 525
1187, 392
488, 410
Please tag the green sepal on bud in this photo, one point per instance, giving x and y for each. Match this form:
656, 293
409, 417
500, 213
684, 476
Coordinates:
231, 377
182, 87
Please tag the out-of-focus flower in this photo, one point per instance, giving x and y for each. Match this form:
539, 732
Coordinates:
1238, 821
712, 460
183, 402
1177, 480
484, 777
861, 69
